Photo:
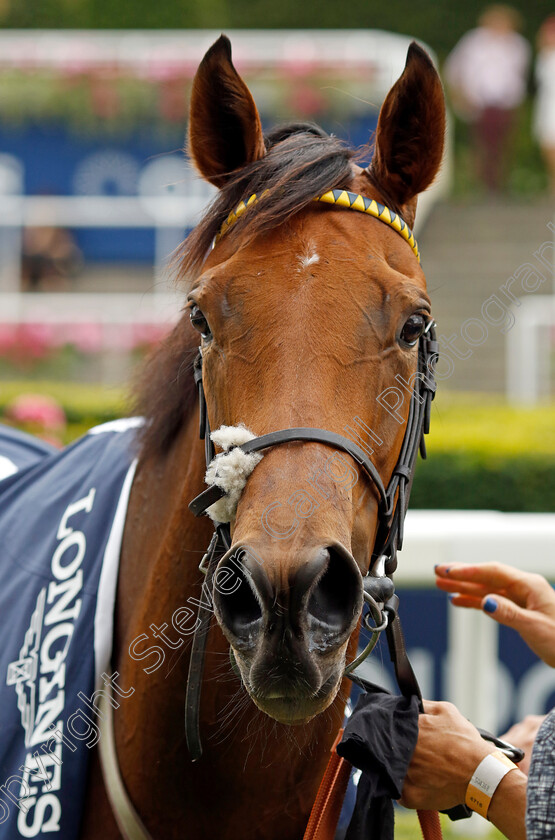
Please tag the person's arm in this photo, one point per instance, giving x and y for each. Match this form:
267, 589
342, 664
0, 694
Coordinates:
508, 806
448, 751
523, 735
521, 600
449, 748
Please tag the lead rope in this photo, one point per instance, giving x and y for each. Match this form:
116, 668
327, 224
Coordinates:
430, 825
322, 824
324, 816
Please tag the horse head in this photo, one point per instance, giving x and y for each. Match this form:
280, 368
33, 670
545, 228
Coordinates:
310, 316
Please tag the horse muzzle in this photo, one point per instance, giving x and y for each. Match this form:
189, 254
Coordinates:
288, 625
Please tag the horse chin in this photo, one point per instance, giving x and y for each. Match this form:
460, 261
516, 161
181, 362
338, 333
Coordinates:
293, 711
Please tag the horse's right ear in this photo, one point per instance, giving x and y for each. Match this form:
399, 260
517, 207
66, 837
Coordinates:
225, 132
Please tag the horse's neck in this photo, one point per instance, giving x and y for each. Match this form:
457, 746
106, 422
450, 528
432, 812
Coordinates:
245, 752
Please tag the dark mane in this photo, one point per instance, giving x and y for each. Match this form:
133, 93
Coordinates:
164, 391
301, 161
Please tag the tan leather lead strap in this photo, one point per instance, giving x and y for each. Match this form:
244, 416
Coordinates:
430, 825
324, 816
327, 806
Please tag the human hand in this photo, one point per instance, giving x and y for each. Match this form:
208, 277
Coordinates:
521, 600
448, 750
523, 734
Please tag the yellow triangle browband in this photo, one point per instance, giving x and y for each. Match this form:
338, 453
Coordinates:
341, 198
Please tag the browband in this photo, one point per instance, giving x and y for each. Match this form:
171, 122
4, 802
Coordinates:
342, 198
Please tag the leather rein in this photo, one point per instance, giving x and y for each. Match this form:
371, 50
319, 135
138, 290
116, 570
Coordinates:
378, 584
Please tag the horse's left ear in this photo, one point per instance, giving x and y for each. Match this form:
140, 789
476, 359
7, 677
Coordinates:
410, 134
225, 132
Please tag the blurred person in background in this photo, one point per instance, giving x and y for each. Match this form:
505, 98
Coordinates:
544, 111
51, 259
448, 762
487, 74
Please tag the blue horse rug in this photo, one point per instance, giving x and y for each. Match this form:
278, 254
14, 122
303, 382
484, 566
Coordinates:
61, 523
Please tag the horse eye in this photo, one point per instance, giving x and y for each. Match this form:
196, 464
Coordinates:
199, 322
413, 329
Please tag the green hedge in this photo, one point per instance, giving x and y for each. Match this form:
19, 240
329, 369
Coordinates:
476, 481
84, 405
80, 402
482, 454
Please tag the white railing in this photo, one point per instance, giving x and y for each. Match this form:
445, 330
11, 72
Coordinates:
105, 309
530, 341
169, 216
100, 211
528, 349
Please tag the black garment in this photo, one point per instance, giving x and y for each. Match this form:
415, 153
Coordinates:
379, 739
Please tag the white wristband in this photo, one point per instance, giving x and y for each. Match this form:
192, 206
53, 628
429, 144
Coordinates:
485, 780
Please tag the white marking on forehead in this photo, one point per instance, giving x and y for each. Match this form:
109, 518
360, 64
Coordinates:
310, 258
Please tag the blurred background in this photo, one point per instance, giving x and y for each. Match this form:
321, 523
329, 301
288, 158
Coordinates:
95, 195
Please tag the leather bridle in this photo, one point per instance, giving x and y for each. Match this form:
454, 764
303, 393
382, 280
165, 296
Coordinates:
392, 505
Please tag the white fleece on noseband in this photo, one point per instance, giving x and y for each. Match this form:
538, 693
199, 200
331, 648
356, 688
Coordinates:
230, 470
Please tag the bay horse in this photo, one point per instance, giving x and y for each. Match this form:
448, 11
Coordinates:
305, 314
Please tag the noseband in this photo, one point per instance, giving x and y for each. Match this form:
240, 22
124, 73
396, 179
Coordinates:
393, 499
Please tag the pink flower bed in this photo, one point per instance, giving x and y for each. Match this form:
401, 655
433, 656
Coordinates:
37, 409
21, 343
39, 415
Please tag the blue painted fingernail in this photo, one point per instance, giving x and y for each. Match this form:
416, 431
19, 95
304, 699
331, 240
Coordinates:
490, 605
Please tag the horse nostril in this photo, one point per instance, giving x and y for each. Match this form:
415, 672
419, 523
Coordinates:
336, 598
235, 600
